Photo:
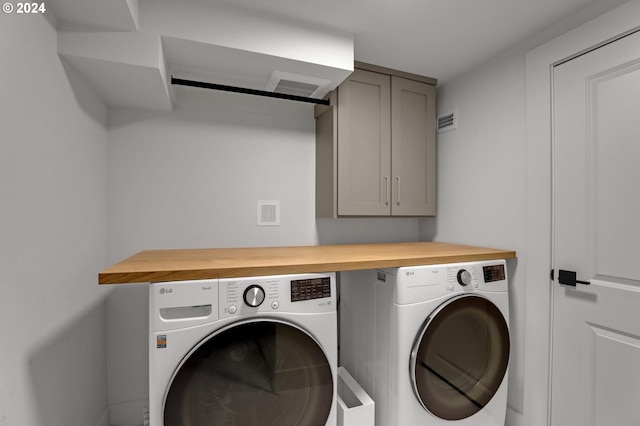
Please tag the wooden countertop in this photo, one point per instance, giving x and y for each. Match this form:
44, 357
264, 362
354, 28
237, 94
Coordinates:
191, 264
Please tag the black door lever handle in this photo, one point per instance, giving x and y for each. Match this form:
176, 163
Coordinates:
569, 278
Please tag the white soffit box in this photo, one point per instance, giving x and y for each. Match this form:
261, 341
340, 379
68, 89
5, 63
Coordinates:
209, 63
187, 39
126, 69
118, 15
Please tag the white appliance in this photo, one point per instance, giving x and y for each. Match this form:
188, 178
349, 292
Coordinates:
430, 344
243, 351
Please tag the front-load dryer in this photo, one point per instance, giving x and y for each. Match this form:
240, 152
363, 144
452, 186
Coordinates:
243, 351
430, 344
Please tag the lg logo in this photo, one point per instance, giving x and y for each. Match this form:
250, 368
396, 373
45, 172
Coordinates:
166, 290
409, 273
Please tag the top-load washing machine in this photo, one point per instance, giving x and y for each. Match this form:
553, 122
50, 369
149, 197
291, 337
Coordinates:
430, 344
244, 351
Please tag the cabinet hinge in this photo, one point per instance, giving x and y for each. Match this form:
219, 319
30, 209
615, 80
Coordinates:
553, 274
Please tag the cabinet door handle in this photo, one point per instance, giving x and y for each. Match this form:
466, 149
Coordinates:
386, 184
398, 191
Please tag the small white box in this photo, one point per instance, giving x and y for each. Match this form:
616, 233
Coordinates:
355, 407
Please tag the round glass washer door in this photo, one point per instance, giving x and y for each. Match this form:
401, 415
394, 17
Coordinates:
460, 357
259, 372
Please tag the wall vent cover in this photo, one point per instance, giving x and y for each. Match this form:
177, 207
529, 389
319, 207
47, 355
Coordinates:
448, 121
268, 213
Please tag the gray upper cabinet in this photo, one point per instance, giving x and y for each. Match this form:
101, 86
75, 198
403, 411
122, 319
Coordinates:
375, 146
364, 145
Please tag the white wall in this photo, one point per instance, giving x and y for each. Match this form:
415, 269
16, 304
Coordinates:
486, 198
604, 28
191, 178
52, 234
481, 179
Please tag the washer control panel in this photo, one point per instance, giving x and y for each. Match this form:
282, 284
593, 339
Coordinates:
304, 293
310, 288
462, 275
248, 295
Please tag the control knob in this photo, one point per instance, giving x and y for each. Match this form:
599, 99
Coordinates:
254, 296
464, 277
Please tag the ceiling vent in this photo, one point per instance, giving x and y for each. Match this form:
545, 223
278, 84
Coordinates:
295, 84
296, 88
448, 121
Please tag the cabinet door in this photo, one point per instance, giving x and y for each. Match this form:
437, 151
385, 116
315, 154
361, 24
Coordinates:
413, 117
364, 145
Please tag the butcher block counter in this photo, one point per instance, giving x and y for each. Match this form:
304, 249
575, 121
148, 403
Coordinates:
195, 264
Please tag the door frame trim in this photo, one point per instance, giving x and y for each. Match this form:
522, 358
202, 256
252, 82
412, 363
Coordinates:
539, 79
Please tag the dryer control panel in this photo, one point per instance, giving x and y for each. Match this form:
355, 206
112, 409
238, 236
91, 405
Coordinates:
419, 283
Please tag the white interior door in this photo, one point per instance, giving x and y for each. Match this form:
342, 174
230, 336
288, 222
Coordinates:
596, 224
